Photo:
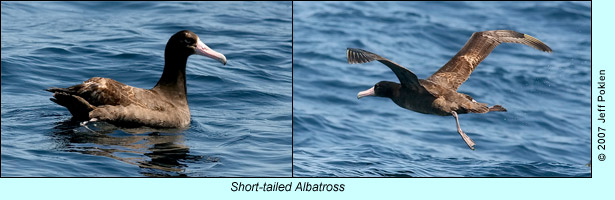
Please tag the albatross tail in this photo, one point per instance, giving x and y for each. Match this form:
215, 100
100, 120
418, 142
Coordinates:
77, 106
497, 108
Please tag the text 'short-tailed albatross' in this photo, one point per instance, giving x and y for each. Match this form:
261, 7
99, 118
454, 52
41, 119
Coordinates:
438, 94
164, 106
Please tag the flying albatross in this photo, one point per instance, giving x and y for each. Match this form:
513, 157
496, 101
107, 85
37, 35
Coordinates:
438, 93
164, 106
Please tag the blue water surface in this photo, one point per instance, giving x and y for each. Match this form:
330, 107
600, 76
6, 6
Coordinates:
545, 133
241, 112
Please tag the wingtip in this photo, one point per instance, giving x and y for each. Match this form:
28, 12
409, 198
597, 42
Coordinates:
348, 55
357, 56
536, 43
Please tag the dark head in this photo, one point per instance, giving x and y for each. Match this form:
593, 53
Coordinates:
186, 43
381, 89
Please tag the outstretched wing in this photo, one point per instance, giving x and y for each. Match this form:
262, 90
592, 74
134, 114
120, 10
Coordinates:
478, 47
405, 76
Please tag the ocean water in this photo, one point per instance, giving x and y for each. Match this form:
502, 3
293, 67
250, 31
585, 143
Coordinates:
241, 112
545, 133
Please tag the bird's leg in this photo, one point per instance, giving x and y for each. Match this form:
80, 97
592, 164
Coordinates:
463, 135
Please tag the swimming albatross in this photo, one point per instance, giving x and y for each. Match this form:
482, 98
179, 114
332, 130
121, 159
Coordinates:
164, 106
438, 94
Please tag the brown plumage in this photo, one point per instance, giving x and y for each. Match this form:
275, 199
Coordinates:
438, 93
164, 106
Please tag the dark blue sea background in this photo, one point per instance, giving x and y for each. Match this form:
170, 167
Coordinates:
241, 112
545, 133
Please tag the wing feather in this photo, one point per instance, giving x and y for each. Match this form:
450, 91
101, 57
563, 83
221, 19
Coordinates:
405, 76
476, 49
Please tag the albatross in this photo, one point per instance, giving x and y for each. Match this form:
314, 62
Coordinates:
438, 93
163, 106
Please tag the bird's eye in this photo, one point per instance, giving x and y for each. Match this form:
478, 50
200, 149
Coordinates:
188, 41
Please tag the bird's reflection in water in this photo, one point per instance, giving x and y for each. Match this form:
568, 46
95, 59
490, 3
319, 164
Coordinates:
158, 152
